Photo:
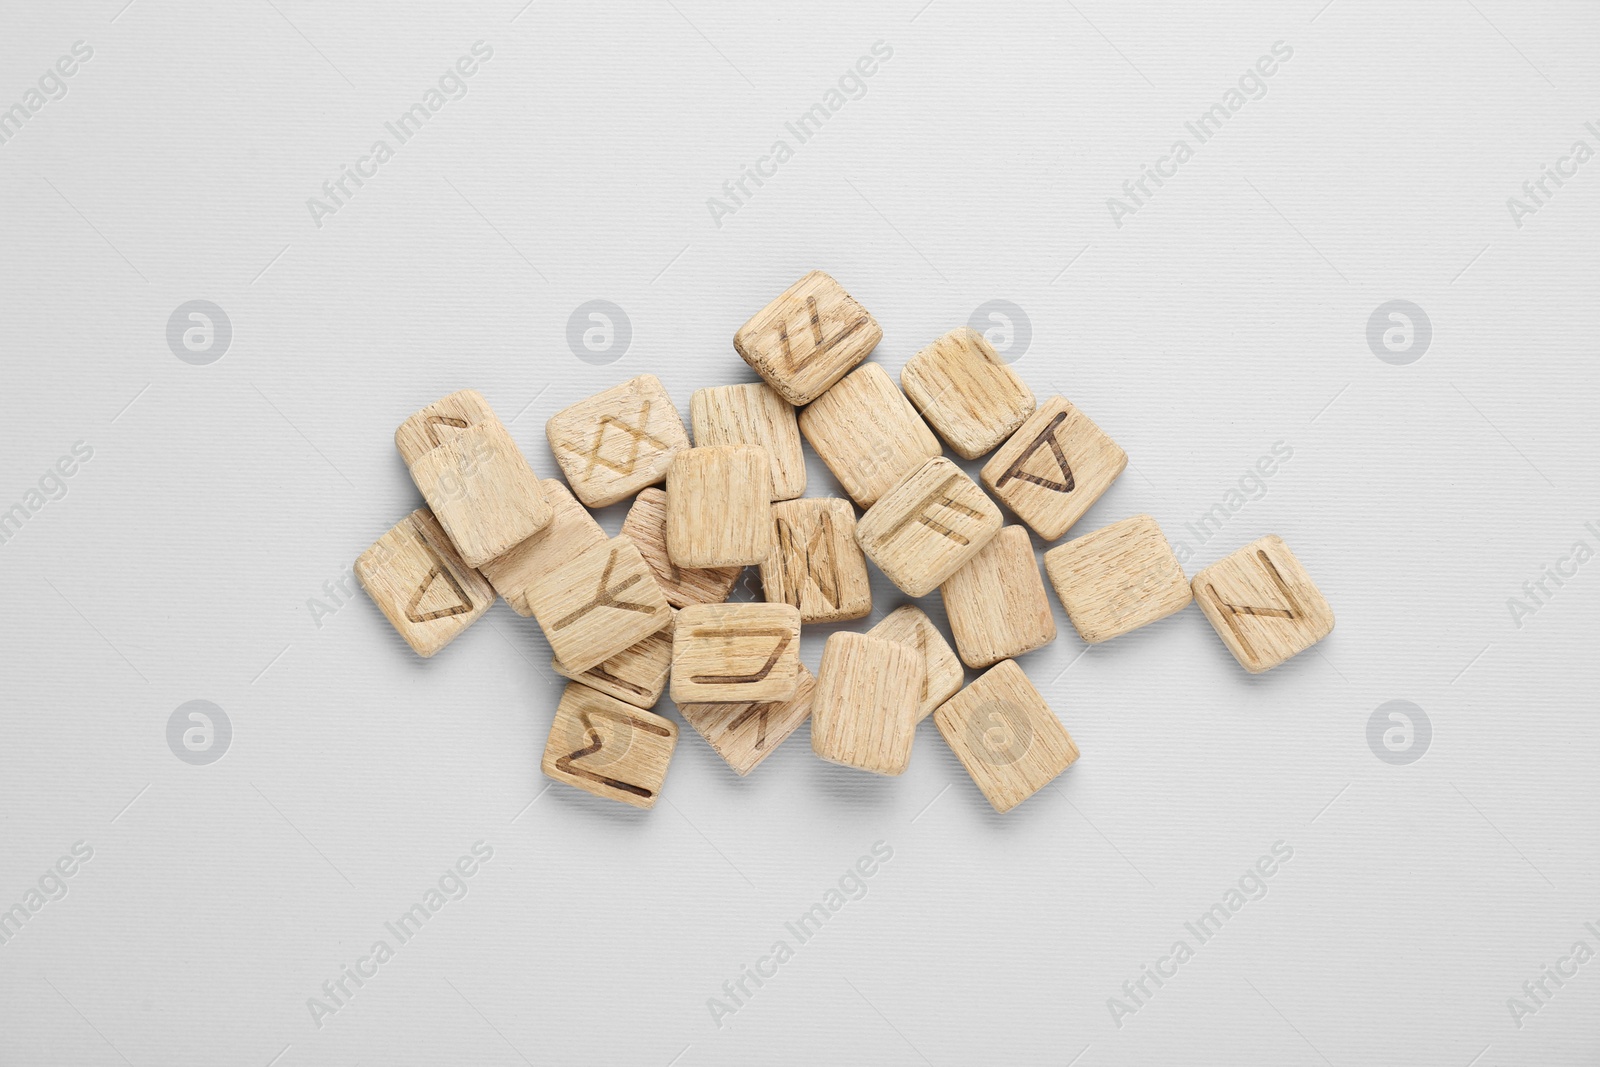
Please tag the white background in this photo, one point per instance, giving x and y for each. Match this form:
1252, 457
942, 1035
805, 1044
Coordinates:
1229, 313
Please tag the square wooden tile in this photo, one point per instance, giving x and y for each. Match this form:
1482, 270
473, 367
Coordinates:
615, 443
909, 625
808, 338
1006, 736
608, 748
867, 433
1263, 604
745, 734
646, 527
753, 414
864, 707
719, 506
726, 653
569, 533
598, 604
1117, 579
419, 583
816, 564
966, 392
927, 526
473, 476
996, 602
636, 675
1054, 468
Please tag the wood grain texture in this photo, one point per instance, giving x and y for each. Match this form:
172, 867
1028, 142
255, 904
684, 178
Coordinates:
474, 478
636, 675
606, 747
1117, 579
646, 527
425, 590
598, 604
966, 392
570, 532
934, 520
864, 707
996, 602
615, 443
1006, 736
727, 653
1263, 604
719, 506
745, 734
816, 564
753, 414
807, 338
867, 433
1054, 468
909, 625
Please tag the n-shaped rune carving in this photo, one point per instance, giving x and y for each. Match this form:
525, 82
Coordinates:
819, 345
783, 636
605, 596
938, 497
595, 743
1046, 439
637, 437
436, 571
810, 559
1231, 612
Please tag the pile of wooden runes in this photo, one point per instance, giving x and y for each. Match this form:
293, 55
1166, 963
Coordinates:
628, 615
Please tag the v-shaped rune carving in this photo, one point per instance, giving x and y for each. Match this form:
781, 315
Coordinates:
636, 440
812, 559
433, 422
759, 713
819, 347
437, 570
596, 743
605, 596
783, 636
1231, 612
1046, 439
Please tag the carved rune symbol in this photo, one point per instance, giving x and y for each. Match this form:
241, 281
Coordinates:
938, 497
819, 346
433, 422
1231, 612
759, 713
810, 560
605, 596
1046, 439
637, 438
595, 742
437, 570
783, 636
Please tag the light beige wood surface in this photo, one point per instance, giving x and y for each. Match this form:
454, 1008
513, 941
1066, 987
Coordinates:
606, 747
571, 530
807, 338
1054, 468
927, 526
719, 506
1263, 604
745, 734
1118, 578
735, 653
966, 392
646, 527
1006, 736
867, 433
753, 414
615, 443
421, 585
815, 563
909, 625
996, 602
598, 604
864, 707
636, 675
473, 476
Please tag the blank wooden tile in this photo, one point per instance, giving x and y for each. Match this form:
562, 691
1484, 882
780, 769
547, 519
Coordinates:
419, 583
646, 527
1006, 736
966, 392
474, 477
996, 602
909, 625
753, 414
1263, 604
615, 443
816, 564
598, 604
719, 506
570, 532
1054, 468
808, 338
727, 653
867, 433
927, 526
1117, 579
864, 707
745, 734
608, 748
636, 675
